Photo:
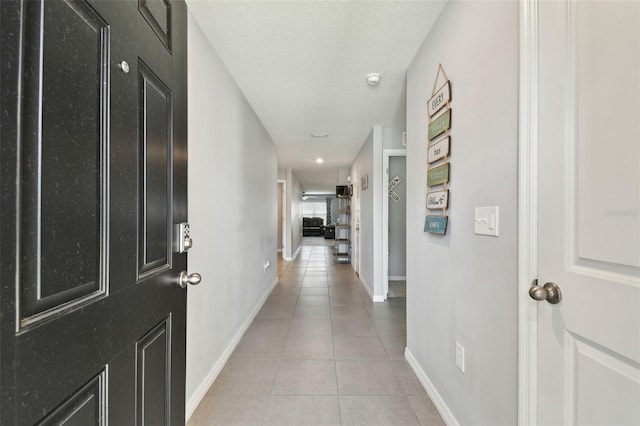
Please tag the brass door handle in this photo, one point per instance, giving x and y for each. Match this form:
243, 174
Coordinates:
549, 292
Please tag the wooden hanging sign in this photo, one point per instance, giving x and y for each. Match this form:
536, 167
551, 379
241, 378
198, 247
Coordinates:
440, 99
439, 150
438, 175
438, 200
436, 224
394, 182
440, 124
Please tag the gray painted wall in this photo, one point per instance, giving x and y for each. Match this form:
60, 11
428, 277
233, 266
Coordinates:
294, 214
398, 220
364, 163
462, 287
392, 138
369, 162
280, 215
232, 169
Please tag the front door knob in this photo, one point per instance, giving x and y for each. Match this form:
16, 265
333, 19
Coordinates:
549, 292
184, 279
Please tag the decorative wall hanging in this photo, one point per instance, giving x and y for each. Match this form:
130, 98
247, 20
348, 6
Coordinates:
438, 200
438, 148
436, 224
392, 184
438, 175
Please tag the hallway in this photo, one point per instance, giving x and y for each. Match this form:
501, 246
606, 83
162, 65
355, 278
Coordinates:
319, 353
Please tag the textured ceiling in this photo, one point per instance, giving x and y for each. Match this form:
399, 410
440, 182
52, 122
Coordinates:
302, 66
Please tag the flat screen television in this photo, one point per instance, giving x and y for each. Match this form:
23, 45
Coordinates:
342, 190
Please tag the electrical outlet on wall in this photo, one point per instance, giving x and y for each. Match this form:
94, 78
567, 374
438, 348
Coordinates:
460, 356
267, 265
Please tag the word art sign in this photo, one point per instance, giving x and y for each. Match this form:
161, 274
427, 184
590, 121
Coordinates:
394, 195
438, 200
440, 99
436, 224
438, 150
440, 124
438, 175
394, 182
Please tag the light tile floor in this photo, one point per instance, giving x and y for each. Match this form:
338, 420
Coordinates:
319, 353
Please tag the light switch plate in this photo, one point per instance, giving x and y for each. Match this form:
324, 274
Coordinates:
487, 221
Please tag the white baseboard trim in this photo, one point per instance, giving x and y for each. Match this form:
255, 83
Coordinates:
433, 393
373, 297
292, 258
398, 278
366, 287
211, 376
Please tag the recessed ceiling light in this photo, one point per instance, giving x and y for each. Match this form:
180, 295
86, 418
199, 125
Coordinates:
319, 134
319, 160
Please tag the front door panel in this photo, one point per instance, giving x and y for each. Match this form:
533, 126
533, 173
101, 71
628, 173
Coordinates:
93, 179
63, 159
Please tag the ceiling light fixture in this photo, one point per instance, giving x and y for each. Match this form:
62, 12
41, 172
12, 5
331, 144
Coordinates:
319, 160
373, 79
319, 134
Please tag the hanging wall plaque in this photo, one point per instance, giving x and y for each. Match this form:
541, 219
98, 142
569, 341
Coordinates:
440, 99
438, 175
440, 125
436, 224
438, 150
438, 200
394, 182
438, 147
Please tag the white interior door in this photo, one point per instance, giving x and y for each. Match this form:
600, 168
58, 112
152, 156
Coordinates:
588, 212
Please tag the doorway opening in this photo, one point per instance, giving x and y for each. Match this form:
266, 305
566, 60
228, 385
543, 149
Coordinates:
394, 222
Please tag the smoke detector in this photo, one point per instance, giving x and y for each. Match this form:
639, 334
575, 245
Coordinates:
373, 79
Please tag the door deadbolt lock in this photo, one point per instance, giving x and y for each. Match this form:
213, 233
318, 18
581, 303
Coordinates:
183, 241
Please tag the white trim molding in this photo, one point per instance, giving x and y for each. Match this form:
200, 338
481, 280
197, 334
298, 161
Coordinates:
374, 298
211, 376
285, 222
397, 278
292, 258
527, 213
386, 153
434, 395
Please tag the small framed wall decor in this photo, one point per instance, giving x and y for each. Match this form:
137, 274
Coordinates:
365, 181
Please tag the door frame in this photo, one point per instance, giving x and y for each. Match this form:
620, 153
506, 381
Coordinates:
527, 213
386, 154
355, 226
284, 216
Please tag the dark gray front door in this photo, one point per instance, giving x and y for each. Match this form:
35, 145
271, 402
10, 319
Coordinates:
93, 180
